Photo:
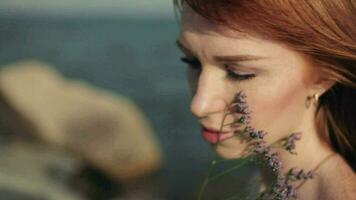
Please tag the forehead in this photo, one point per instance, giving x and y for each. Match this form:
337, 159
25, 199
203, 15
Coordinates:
209, 38
191, 21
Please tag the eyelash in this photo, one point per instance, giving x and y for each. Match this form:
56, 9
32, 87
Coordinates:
195, 64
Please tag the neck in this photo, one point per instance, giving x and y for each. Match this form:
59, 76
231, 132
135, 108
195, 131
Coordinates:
311, 154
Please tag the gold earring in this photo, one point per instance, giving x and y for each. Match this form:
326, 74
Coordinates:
314, 98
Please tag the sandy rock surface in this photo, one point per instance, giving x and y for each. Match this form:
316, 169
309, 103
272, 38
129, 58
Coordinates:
106, 129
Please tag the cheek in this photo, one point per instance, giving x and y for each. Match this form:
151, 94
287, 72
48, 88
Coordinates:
278, 106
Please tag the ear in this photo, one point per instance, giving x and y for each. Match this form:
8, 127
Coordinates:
321, 85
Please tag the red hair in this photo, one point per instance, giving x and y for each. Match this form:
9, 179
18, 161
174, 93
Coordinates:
323, 30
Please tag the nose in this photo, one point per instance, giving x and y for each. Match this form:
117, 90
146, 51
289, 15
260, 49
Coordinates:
209, 95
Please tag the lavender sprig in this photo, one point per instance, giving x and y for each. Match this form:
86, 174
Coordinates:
289, 142
282, 188
294, 174
240, 104
257, 134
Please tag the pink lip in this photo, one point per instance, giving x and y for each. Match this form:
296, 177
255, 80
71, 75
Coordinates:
215, 136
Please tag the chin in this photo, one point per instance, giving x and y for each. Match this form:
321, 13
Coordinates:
228, 152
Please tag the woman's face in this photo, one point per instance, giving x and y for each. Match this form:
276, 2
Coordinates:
221, 62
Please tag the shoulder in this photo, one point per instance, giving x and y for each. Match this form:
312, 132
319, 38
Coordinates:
337, 180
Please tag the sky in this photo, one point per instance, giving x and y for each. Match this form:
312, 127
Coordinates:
89, 8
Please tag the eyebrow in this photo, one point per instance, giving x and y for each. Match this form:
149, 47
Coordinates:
235, 58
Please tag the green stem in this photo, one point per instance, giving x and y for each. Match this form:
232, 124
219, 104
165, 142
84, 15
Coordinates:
231, 169
232, 123
206, 180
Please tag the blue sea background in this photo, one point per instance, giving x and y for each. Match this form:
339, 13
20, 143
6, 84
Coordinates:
135, 57
129, 48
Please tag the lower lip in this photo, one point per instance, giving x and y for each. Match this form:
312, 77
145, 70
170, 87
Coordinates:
215, 137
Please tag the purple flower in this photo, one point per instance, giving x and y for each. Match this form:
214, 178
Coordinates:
280, 190
310, 175
261, 134
240, 97
300, 174
248, 129
254, 134
261, 147
241, 108
291, 192
257, 134
281, 181
273, 161
295, 174
292, 174
239, 104
289, 142
244, 119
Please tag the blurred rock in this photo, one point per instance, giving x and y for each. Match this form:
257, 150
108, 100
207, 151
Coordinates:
36, 172
105, 129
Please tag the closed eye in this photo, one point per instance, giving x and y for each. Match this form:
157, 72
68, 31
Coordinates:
235, 76
195, 64
238, 75
192, 62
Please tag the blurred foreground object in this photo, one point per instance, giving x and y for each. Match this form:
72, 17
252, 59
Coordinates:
107, 130
35, 172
